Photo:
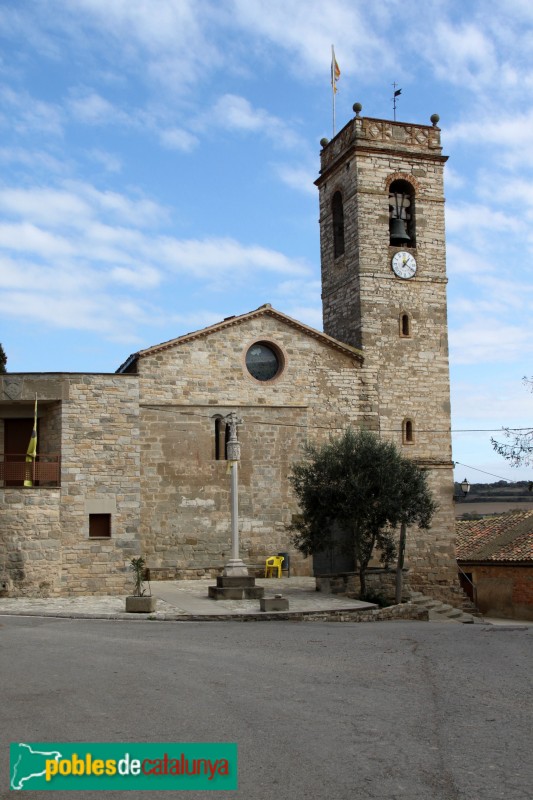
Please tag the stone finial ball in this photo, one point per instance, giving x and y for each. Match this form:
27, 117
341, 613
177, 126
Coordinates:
357, 107
434, 119
324, 141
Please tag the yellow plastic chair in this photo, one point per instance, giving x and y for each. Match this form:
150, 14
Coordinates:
273, 563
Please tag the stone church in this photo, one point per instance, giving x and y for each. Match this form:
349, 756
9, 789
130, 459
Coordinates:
134, 463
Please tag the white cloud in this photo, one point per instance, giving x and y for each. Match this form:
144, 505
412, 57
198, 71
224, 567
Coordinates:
218, 258
462, 53
511, 405
236, 113
306, 292
86, 253
167, 44
178, 139
92, 108
76, 204
33, 159
299, 178
453, 179
461, 261
474, 217
109, 161
144, 277
306, 30
486, 339
27, 238
503, 130
27, 115
309, 315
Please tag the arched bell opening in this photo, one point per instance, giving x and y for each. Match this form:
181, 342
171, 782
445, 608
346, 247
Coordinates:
402, 231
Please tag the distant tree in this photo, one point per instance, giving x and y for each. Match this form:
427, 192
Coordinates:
518, 450
3, 361
363, 486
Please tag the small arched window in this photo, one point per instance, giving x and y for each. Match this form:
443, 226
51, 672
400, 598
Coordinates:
221, 439
408, 431
402, 229
337, 211
405, 325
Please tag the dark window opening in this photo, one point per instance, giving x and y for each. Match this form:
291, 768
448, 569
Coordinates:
405, 325
221, 439
338, 225
402, 230
408, 432
17, 434
100, 525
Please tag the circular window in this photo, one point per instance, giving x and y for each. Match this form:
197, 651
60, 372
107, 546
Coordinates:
263, 362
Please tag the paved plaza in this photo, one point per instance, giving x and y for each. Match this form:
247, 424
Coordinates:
186, 599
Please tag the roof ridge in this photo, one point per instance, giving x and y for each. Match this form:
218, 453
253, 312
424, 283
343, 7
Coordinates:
237, 320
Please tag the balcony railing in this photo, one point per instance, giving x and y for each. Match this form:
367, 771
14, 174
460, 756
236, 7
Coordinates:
16, 471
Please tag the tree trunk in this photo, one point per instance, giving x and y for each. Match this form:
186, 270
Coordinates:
399, 567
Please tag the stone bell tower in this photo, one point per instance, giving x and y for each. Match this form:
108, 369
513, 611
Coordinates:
384, 290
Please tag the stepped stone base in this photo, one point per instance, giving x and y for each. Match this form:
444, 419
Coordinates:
235, 587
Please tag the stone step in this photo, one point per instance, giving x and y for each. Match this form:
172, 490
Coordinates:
439, 611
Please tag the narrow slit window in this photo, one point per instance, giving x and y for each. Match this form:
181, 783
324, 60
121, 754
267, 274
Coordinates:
405, 325
338, 224
408, 432
100, 526
221, 439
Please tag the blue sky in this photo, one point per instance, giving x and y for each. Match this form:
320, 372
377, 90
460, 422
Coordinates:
157, 160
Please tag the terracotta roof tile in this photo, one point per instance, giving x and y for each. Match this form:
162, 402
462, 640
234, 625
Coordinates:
507, 537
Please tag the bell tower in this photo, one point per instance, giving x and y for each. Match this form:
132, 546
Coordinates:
384, 290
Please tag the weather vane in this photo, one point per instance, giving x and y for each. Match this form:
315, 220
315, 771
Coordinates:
397, 93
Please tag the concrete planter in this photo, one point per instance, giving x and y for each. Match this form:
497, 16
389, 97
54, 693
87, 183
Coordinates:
140, 605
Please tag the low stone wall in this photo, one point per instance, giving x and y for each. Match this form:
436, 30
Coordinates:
379, 582
406, 611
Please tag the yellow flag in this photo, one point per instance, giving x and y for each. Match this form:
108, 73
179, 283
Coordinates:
335, 71
31, 452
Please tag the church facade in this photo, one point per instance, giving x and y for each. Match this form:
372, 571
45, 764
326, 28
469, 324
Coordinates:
134, 463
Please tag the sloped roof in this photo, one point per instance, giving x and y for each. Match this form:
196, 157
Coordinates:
263, 311
507, 537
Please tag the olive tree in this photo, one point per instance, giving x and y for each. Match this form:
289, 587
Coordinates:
363, 486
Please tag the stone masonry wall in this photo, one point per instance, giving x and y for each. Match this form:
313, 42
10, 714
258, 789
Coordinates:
363, 302
100, 474
185, 518
30, 541
92, 420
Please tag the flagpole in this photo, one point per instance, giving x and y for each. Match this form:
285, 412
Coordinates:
31, 452
335, 75
333, 84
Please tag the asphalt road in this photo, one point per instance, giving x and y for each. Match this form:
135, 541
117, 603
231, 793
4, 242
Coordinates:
416, 711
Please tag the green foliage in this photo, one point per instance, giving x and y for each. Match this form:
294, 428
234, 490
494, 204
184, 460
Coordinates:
378, 598
3, 361
362, 486
137, 566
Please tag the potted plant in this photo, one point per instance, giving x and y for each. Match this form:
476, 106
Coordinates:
141, 601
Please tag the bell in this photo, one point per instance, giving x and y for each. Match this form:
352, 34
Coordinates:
398, 231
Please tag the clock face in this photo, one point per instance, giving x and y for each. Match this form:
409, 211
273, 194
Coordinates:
404, 264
